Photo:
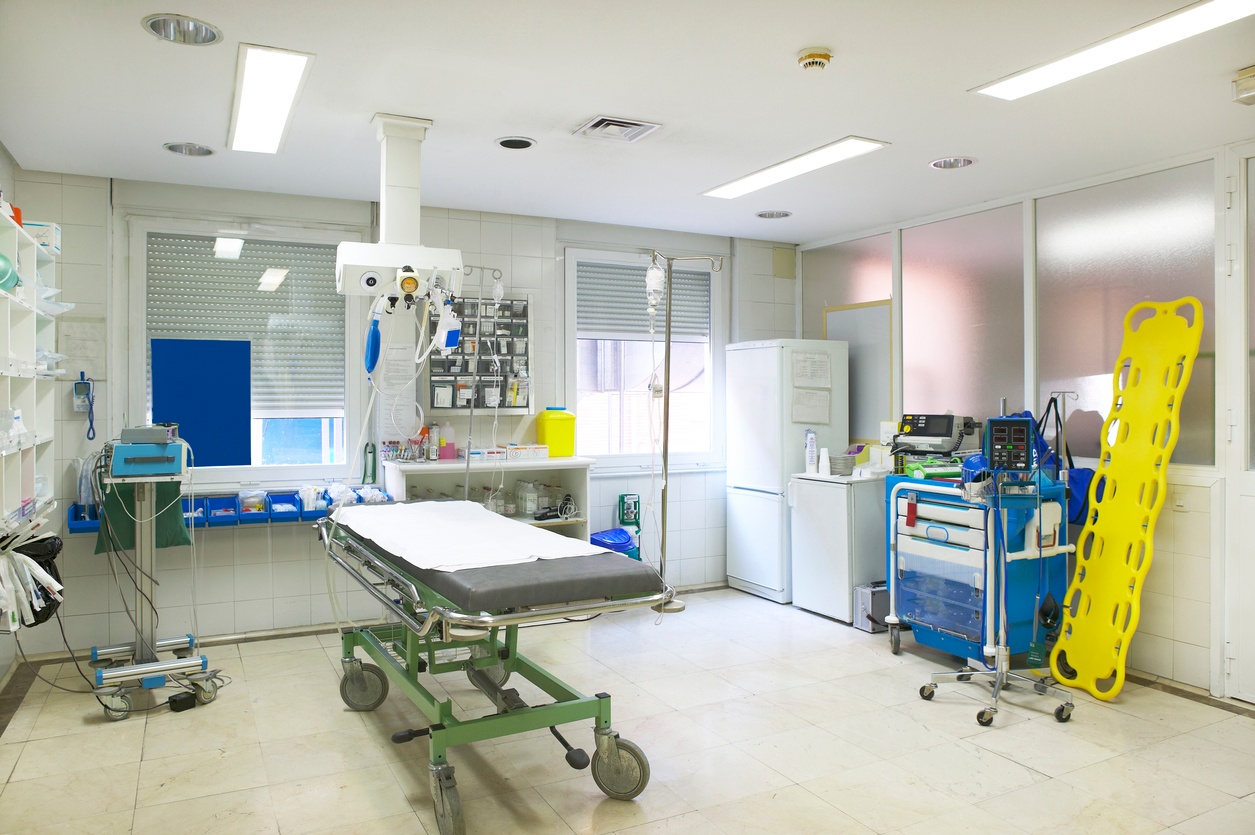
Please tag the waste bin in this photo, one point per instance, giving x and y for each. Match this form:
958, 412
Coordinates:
616, 539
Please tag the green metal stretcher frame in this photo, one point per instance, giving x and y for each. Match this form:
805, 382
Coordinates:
409, 648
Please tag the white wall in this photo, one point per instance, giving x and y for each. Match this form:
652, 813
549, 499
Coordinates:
253, 578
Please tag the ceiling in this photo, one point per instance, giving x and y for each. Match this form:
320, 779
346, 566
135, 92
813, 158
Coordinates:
88, 91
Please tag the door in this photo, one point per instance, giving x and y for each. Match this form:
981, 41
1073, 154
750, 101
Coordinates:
820, 532
754, 413
758, 544
1238, 582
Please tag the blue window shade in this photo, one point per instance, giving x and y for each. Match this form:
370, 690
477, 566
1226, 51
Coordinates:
204, 385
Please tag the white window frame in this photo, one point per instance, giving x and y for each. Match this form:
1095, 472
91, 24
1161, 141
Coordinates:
136, 410
712, 458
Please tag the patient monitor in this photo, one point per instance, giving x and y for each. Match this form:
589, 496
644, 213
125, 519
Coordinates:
936, 434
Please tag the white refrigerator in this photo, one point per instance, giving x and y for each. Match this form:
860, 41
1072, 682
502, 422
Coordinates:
776, 390
838, 539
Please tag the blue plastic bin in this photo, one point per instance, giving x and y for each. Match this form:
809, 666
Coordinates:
201, 518
293, 515
222, 511
616, 539
79, 519
313, 514
253, 517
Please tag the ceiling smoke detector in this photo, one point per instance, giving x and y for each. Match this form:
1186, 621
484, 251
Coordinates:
613, 129
814, 57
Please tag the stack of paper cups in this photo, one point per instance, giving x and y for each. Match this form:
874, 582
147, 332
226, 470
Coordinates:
825, 465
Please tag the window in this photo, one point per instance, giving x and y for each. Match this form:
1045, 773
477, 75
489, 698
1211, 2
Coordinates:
285, 353
620, 365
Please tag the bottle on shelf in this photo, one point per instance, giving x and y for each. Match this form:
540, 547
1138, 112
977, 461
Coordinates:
433, 443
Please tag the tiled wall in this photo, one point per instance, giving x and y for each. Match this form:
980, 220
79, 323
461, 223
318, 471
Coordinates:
765, 305
1173, 638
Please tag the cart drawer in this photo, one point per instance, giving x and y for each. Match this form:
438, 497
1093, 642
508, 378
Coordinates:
919, 607
972, 559
967, 516
942, 533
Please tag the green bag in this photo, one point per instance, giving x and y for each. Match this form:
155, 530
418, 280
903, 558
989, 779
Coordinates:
117, 518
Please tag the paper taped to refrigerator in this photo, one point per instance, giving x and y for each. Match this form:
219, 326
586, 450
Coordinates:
812, 369
811, 405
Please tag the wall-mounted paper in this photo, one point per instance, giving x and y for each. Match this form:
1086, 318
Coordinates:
811, 406
812, 369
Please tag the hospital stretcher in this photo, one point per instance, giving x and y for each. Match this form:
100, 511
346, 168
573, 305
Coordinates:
468, 621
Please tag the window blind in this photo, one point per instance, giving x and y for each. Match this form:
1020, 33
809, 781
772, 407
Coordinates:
297, 331
610, 302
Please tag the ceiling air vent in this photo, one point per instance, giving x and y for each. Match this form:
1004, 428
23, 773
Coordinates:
616, 130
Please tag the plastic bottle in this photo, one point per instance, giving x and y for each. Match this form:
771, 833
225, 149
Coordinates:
812, 453
529, 500
433, 443
447, 438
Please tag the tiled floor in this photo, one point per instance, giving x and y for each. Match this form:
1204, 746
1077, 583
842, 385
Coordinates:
755, 718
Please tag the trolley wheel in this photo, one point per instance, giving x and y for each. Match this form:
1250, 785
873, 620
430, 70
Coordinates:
447, 804
895, 640
985, 718
926, 691
625, 775
117, 706
497, 672
1063, 713
206, 690
964, 675
368, 692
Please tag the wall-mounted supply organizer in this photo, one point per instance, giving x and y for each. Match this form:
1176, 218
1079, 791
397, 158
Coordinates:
28, 360
492, 365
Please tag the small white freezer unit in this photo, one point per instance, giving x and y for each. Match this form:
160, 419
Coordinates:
837, 528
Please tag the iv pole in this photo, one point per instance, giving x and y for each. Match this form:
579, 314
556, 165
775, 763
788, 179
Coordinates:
716, 264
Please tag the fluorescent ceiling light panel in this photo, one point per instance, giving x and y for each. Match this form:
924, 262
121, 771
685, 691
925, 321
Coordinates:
1193, 20
842, 149
267, 83
271, 279
228, 248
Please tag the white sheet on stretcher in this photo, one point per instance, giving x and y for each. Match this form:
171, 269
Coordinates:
449, 536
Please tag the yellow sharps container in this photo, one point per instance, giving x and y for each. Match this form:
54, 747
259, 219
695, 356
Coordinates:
555, 428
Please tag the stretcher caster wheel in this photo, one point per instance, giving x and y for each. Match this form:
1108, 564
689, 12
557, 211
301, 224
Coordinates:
206, 691
117, 706
624, 774
926, 691
895, 640
444, 797
985, 718
1063, 713
964, 675
363, 687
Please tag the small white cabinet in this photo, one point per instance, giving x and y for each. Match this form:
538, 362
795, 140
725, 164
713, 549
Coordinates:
837, 527
408, 481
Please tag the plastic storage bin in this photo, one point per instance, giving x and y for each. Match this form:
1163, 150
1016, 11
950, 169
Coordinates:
253, 517
274, 499
221, 511
313, 514
201, 517
79, 519
616, 539
555, 428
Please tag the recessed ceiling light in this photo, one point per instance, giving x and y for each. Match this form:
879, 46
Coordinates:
1191, 21
271, 279
842, 149
228, 248
516, 143
182, 30
950, 163
267, 83
188, 149
774, 214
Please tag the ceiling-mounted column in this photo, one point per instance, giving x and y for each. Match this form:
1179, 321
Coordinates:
400, 141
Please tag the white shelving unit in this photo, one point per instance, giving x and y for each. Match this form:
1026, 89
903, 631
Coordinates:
443, 479
23, 330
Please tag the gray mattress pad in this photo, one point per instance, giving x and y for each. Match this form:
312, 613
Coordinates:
538, 583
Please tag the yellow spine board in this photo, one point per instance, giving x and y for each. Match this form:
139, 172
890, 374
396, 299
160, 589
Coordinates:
1113, 552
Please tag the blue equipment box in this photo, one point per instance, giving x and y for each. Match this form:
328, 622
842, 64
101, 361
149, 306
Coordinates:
139, 460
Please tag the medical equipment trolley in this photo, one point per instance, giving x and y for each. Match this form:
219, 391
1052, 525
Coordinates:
978, 574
